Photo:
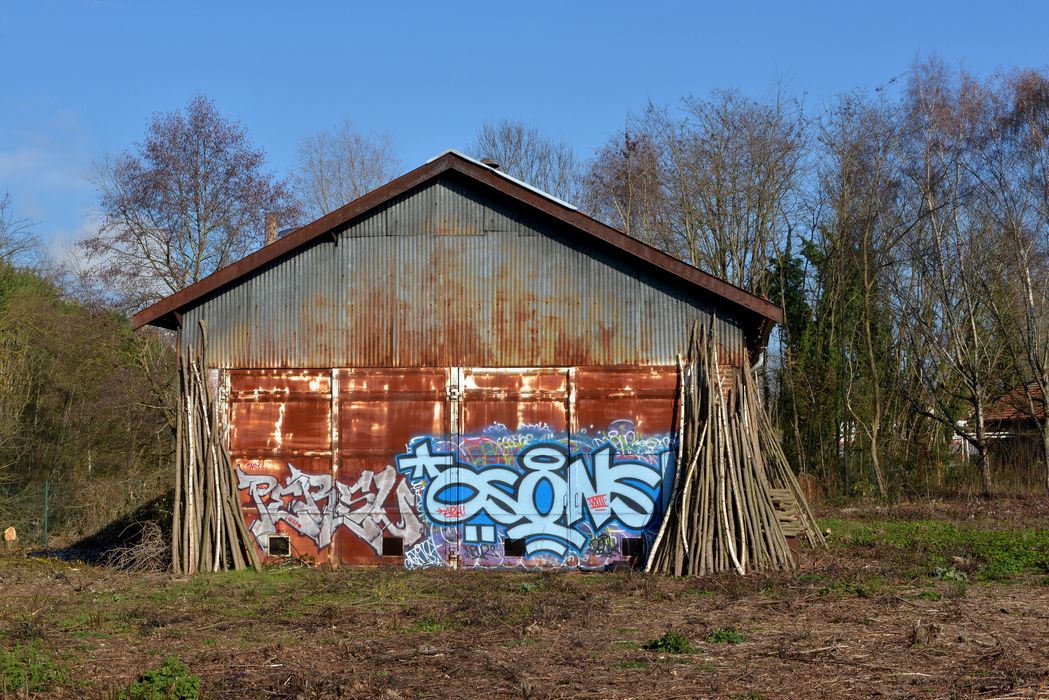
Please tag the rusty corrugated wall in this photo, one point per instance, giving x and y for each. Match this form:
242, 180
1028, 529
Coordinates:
446, 275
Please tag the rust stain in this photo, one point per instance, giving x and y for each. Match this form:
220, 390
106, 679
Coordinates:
346, 426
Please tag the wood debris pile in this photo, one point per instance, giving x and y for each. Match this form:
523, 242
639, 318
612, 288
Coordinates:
208, 530
735, 498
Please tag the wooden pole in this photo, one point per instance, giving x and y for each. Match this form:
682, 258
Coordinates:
722, 515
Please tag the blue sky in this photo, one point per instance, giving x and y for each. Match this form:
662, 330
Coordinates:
82, 77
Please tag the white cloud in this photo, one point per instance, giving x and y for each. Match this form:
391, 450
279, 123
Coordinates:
32, 167
45, 166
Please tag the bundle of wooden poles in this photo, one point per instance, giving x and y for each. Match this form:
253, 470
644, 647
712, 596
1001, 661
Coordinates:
208, 530
735, 498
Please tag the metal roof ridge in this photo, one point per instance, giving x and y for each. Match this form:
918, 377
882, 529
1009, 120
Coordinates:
501, 173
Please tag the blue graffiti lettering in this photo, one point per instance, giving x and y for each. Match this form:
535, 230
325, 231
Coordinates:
531, 498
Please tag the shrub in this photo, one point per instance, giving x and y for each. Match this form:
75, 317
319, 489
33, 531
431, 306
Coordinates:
724, 635
671, 643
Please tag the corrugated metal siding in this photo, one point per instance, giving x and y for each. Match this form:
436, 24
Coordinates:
446, 276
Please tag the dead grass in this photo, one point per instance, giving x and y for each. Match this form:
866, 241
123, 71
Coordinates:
868, 618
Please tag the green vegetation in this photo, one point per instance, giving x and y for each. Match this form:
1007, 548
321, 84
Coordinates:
994, 555
171, 681
67, 621
671, 643
927, 595
724, 635
633, 664
26, 668
78, 397
432, 626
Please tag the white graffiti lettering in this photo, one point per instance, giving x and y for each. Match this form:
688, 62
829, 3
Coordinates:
423, 555
308, 504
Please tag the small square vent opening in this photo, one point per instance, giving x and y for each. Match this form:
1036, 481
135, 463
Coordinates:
632, 546
393, 546
279, 546
513, 548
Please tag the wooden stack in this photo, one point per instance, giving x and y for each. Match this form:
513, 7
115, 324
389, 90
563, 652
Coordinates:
208, 530
735, 498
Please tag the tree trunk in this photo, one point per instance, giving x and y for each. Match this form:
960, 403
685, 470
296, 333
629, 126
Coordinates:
1045, 451
981, 449
883, 487
985, 472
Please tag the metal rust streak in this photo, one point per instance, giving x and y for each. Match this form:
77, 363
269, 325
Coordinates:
604, 334
281, 411
524, 294
380, 411
280, 382
644, 396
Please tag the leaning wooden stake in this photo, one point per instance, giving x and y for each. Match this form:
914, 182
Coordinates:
209, 532
735, 498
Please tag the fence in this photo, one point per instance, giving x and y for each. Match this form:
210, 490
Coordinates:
60, 511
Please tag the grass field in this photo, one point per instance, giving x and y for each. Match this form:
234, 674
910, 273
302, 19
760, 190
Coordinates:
903, 604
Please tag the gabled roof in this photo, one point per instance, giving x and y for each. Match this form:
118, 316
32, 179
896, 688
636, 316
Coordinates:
167, 312
1013, 407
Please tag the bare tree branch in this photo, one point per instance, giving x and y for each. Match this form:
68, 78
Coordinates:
189, 200
339, 165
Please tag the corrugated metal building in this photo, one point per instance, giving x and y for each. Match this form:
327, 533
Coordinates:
456, 370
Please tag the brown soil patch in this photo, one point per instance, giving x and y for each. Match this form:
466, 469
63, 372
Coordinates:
851, 624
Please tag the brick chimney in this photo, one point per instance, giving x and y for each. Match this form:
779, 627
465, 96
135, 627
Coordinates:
271, 227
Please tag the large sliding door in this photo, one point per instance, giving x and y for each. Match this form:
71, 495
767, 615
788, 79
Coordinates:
280, 440
513, 451
622, 435
378, 513
462, 467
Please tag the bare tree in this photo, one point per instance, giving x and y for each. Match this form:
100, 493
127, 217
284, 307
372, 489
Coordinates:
622, 186
524, 152
188, 200
729, 172
1031, 120
1012, 175
339, 165
863, 226
954, 352
18, 242
717, 185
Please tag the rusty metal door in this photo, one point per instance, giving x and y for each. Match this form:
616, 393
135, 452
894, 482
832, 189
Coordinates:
513, 451
280, 442
622, 436
380, 414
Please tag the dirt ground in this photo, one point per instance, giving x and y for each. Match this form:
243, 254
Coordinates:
888, 611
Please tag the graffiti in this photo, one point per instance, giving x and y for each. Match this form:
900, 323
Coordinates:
451, 512
563, 500
598, 502
481, 551
604, 544
528, 497
423, 555
310, 505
